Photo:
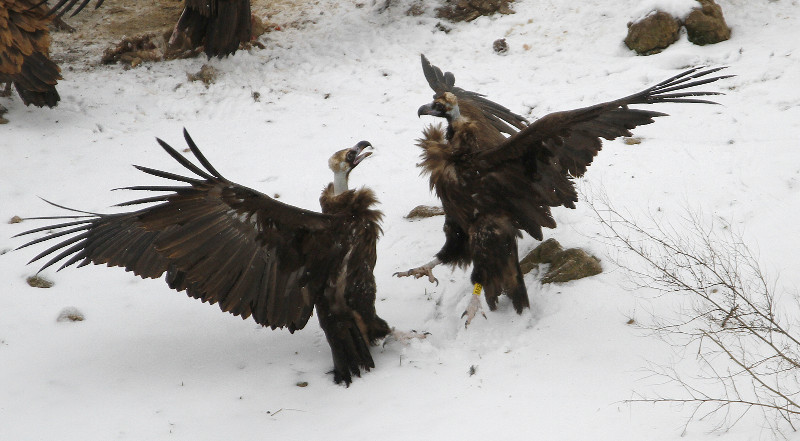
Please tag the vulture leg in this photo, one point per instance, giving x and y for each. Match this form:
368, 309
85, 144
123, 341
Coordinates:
474, 305
454, 252
424, 270
349, 345
493, 241
405, 336
6, 90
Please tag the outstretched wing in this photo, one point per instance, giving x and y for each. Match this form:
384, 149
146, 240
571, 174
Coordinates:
221, 242
573, 137
499, 116
532, 169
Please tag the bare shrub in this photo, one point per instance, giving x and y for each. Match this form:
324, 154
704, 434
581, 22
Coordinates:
747, 347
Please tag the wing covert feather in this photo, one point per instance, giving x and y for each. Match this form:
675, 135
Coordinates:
221, 242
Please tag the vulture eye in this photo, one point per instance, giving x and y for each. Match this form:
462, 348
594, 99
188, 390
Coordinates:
351, 155
439, 107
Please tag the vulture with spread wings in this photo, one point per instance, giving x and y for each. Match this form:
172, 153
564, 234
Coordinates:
492, 185
25, 53
256, 257
218, 25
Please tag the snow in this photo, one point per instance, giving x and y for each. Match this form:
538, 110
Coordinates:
679, 9
150, 364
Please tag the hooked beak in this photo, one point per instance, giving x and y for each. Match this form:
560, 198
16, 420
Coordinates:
428, 109
360, 154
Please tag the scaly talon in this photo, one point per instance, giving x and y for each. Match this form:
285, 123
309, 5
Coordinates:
419, 272
474, 305
404, 337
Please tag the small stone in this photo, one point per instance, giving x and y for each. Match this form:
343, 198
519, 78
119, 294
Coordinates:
416, 9
500, 46
706, 25
653, 33
39, 282
207, 75
632, 140
257, 27
572, 264
443, 28
565, 265
302, 383
468, 10
15, 220
70, 314
423, 211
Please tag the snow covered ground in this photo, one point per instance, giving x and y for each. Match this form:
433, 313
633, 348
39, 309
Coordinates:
151, 364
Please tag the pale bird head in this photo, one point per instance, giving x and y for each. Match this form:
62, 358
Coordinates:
344, 161
444, 105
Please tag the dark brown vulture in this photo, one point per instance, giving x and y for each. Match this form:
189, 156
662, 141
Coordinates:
492, 186
251, 254
218, 25
24, 53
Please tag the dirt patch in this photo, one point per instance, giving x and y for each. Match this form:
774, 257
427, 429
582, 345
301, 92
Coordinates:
97, 30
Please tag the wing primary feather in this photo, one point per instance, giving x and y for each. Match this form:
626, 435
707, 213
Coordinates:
433, 75
161, 198
172, 188
54, 235
168, 175
59, 246
677, 77
51, 227
69, 209
80, 7
199, 155
54, 8
689, 75
686, 100
693, 84
183, 161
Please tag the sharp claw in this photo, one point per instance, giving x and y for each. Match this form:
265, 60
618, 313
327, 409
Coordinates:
472, 309
418, 273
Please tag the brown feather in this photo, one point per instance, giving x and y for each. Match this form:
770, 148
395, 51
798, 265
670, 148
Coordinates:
24, 52
255, 257
492, 186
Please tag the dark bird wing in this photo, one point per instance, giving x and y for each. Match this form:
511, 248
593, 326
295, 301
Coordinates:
573, 137
64, 6
501, 118
532, 169
221, 242
220, 25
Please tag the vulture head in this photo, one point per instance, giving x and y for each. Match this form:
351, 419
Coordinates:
444, 105
344, 161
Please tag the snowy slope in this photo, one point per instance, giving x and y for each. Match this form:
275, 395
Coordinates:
150, 364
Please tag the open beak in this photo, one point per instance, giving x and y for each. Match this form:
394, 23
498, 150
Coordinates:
360, 152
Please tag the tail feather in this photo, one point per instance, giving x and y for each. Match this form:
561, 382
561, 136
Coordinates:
220, 27
349, 347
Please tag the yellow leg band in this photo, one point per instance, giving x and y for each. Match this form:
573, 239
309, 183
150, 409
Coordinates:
477, 290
